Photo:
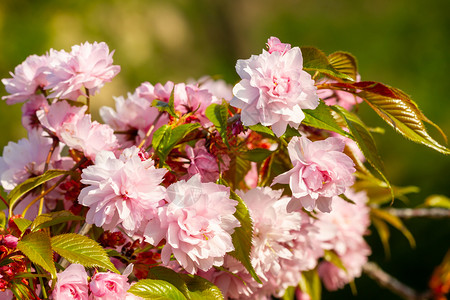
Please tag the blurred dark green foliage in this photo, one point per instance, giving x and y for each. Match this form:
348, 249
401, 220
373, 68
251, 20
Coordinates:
402, 43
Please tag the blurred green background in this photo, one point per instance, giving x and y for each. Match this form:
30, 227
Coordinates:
403, 43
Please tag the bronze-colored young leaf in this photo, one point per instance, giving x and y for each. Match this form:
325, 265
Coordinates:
396, 222
316, 61
395, 108
37, 247
345, 63
384, 233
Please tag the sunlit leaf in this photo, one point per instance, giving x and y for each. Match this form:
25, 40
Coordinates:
262, 130
53, 218
199, 288
37, 247
397, 109
395, 222
29, 184
345, 63
311, 285
437, 201
256, 155
22, 223
316, 61
166, 106
321, 118
218, 115
156, 290
242, 236
384, 233
289, 294
79, 249
333, 258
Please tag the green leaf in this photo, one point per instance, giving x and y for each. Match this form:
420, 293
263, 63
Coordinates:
397, 109
156, 290
165, 107
218, 115
316, 61
333, 258
365, 141
290, 132
261, 129
166, 138
199, 288
53, 218
379, 193
289, 294
256, 155
37, 247
237, 170
28, 185
345, 63
310, 284
79, 249
322, 118
437, 201
22, 223
394, 221
243, 235
172, 277
2, 219
384, 233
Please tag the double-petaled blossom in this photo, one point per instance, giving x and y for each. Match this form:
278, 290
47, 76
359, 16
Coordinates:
122, 191
72, 283
26, 159
109, 285
197, 223
274, 89
321, 171
342, 231
27, 78
133, 117
87, 66
218, 88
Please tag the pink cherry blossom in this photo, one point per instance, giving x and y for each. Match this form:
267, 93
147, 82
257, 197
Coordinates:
159, 92
121, 191
197, 223
337, 232
53, 117
25, 159
30, 120
89, 66
72, 283
109, 285
274, 89
275, 45
218, 88
132, 118
10, 241
273, 228
27, 78
192, 99
204, 163
321, 171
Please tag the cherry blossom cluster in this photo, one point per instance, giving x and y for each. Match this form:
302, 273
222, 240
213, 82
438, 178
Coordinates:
183, 206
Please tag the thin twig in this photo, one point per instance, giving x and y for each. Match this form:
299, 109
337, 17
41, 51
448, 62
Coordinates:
406, 213
394, 285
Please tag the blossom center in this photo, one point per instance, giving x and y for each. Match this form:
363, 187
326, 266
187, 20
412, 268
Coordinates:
280, 86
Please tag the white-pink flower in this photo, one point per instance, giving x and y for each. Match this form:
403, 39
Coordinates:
27, 78
109, 285
25, 159
53, 117
132, 118
321, 171
273, 229
88, 65
157, 92
71, 283
345, 99
274, 89
275, 45
122, 191
218, 88
30, 120
197, 223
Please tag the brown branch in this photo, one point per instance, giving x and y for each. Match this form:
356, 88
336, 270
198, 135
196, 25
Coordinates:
406, 213
394, 285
